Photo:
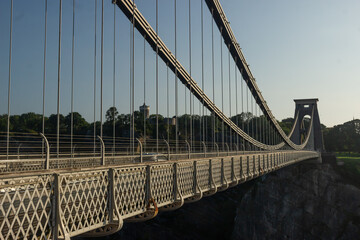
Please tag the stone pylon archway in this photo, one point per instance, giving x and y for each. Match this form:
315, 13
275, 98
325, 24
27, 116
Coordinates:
304, 107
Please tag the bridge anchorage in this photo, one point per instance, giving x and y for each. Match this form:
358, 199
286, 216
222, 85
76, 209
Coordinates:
58, 185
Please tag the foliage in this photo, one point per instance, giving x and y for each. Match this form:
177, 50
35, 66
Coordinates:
343, 138
287, 124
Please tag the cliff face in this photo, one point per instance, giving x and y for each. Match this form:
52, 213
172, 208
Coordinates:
305, 201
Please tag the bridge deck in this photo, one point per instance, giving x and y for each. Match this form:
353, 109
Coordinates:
73, 202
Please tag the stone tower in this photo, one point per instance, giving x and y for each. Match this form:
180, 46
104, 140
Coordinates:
145, 110
304, 107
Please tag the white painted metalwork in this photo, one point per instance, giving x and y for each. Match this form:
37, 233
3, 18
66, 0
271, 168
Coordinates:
69, 203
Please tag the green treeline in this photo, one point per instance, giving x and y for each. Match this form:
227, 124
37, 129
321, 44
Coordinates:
343, 137
32, 123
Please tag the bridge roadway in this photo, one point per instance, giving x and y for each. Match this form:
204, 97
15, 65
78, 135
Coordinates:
62, 203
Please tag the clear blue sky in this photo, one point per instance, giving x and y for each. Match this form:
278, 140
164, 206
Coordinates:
296, 49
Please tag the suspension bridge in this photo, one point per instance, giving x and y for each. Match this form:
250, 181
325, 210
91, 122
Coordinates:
208, 133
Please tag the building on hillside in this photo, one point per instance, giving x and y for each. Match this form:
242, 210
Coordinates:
170, 121
144, 109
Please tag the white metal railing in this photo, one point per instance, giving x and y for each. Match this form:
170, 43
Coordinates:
67, 203
42, 157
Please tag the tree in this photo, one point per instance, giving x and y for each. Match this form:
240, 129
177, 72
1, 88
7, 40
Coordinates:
80, 125
111, 114
51, 124
3, 123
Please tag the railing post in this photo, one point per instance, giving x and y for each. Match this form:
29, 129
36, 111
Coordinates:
227, 146
148, 183
18, 151
72, 156
223, 178
47, 158
241, 168
168, 149
217, 149
111, 197
248, 165
204, 146
58, 227
102, 144
195, 176
210, 173
233, 176
141, 150
55, 210
175, 181
189, 148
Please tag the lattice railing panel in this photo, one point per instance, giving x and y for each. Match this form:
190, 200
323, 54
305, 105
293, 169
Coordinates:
26, 208
251, 166
130, 190
262, 164
244, 167
266, 163
120, 160
237, 167
89, 162
256, 159
185, 172
162, 183
216, 171
227, 169
203, 175
84, 200
22, 166
75, 162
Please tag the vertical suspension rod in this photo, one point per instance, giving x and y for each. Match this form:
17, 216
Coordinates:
9, 82
44, 70
222, 90
44, 80
213, 71
242, 109
58, 84
133, 81
176, 85
167, 102
190, 95
230, 135
144, 117
72, 81
95, 37
157, 76
102, 69
236, 102
114, 83
202, 71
